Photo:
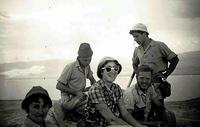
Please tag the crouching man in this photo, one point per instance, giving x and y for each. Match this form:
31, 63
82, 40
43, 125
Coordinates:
140, 97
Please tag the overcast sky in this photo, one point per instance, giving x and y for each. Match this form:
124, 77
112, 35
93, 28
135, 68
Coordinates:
32, 30
50, 29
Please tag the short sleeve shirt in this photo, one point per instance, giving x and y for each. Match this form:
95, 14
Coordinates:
74, 77
101, 93
156, 55
134, 97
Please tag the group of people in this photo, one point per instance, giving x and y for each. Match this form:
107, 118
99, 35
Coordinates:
105, 104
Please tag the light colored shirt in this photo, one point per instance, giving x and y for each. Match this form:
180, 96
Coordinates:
74, 77
134, 97
156, 55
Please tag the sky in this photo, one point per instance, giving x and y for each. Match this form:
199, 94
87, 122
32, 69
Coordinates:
35, 30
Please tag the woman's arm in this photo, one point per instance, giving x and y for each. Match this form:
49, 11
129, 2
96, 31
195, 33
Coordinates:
108, 115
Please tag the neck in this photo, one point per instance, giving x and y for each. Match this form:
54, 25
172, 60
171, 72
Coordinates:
146, 43
42, 124
81, 65
144, 91
107, 83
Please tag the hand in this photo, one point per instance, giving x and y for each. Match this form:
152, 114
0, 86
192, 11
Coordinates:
164, 76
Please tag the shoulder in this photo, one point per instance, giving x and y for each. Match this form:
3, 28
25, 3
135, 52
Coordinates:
70, 65
130, 91
29, 123
116, 85
158, 43
95, 87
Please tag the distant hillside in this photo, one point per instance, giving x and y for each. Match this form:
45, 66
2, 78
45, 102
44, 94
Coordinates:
51, 67
194, 103
189, 64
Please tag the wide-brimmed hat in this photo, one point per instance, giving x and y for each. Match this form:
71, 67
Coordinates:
103, 62
36, 90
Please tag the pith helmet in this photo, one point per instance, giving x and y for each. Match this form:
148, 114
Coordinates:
139, 27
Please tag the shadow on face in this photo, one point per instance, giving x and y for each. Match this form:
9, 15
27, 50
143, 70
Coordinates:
85, 61
38, 109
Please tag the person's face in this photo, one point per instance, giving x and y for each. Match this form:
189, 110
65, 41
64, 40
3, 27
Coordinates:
38, 110
110, 72
85, 61
139, 38
144, 80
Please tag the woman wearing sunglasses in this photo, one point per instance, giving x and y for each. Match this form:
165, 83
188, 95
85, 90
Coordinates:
105, 101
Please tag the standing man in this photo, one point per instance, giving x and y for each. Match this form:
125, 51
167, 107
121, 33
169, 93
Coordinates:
156, 54
153, 53
72, 83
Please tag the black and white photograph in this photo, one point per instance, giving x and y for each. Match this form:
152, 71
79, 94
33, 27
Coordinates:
99, 63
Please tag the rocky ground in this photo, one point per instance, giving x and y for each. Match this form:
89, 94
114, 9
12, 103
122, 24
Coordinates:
187, 113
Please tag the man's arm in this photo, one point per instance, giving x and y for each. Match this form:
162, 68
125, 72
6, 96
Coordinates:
126, 116
173, 62
92, 79
60, 86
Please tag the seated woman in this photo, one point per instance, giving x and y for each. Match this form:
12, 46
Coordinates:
105, 100
37, 104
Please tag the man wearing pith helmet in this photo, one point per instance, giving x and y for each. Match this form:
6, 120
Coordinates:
156, 54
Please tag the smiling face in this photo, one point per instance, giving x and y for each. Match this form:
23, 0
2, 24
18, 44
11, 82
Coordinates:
144, 80
110, 72
38, 110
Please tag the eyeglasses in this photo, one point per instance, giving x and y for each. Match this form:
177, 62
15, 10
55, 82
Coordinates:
108, 69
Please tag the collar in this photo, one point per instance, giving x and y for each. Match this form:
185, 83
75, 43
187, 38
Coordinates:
29, 123
77, 65
139, 91
103, 84
151, 43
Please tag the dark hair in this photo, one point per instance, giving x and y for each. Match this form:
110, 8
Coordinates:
100, 70
138, 31
143, 68
35, 98
36, 92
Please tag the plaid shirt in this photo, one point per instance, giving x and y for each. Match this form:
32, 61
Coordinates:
101, 93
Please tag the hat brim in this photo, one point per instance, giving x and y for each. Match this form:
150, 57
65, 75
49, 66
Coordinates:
28, 99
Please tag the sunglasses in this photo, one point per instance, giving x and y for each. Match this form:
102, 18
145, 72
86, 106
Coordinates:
108, 69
